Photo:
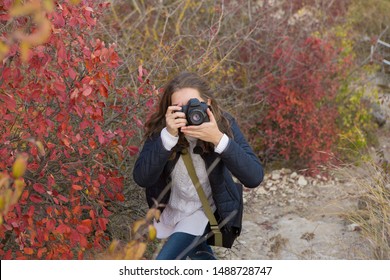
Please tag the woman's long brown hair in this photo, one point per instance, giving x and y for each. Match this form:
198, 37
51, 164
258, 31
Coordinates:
185, 80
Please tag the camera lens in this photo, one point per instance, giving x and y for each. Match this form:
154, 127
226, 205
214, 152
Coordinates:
196, 117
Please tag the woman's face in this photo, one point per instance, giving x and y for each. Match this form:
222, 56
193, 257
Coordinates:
182, 96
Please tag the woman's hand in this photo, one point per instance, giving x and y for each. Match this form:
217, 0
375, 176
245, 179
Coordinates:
174, 120
207, 131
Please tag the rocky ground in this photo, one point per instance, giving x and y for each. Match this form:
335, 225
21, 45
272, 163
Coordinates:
295, 217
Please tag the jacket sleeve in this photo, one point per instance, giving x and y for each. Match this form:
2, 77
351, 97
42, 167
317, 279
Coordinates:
240, 159
151, 161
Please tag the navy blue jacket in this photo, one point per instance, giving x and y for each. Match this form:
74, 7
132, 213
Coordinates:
154, 165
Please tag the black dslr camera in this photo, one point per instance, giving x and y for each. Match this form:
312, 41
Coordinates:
196, 112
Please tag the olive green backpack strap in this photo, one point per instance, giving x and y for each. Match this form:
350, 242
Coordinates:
202, 196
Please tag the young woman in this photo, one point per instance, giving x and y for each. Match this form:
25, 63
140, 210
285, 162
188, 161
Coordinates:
218, 150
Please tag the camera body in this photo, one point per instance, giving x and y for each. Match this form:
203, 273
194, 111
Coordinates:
196, 112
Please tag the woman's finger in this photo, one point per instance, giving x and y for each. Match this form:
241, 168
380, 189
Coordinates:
172, 109
211, 116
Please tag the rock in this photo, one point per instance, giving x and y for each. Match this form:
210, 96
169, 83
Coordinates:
285, 171
362, 203
377, 113
275, 175
302, 181
293, 175
291, 180
289, 191
353, 227
261, 191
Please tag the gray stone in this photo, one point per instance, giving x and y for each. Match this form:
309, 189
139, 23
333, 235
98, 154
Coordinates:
275, 175
353, 227
261, 191
302, 181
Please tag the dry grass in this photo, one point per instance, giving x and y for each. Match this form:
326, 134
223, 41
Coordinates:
278, 242
373, 213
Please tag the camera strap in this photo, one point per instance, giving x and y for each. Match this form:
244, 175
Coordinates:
202, 196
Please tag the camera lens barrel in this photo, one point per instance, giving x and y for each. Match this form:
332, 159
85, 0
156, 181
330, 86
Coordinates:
196, 112
196, 117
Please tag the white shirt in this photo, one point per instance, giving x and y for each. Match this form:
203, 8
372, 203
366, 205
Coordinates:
184, 211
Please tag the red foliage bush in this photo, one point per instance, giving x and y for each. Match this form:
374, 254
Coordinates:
300, 118
61, 97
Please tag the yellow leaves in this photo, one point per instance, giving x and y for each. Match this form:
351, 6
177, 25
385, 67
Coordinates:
5, 201
12, 188
143, 231
41, 149
20, 9
24, 50
114, 244
48, 5
4, 179
2, 203
3, 50
37, 9
153, 213
134, 250
19, 167
19, 186
39, 145
75, 2
141, 226
152, 232
137, 225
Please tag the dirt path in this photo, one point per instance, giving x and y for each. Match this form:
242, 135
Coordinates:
293, 217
